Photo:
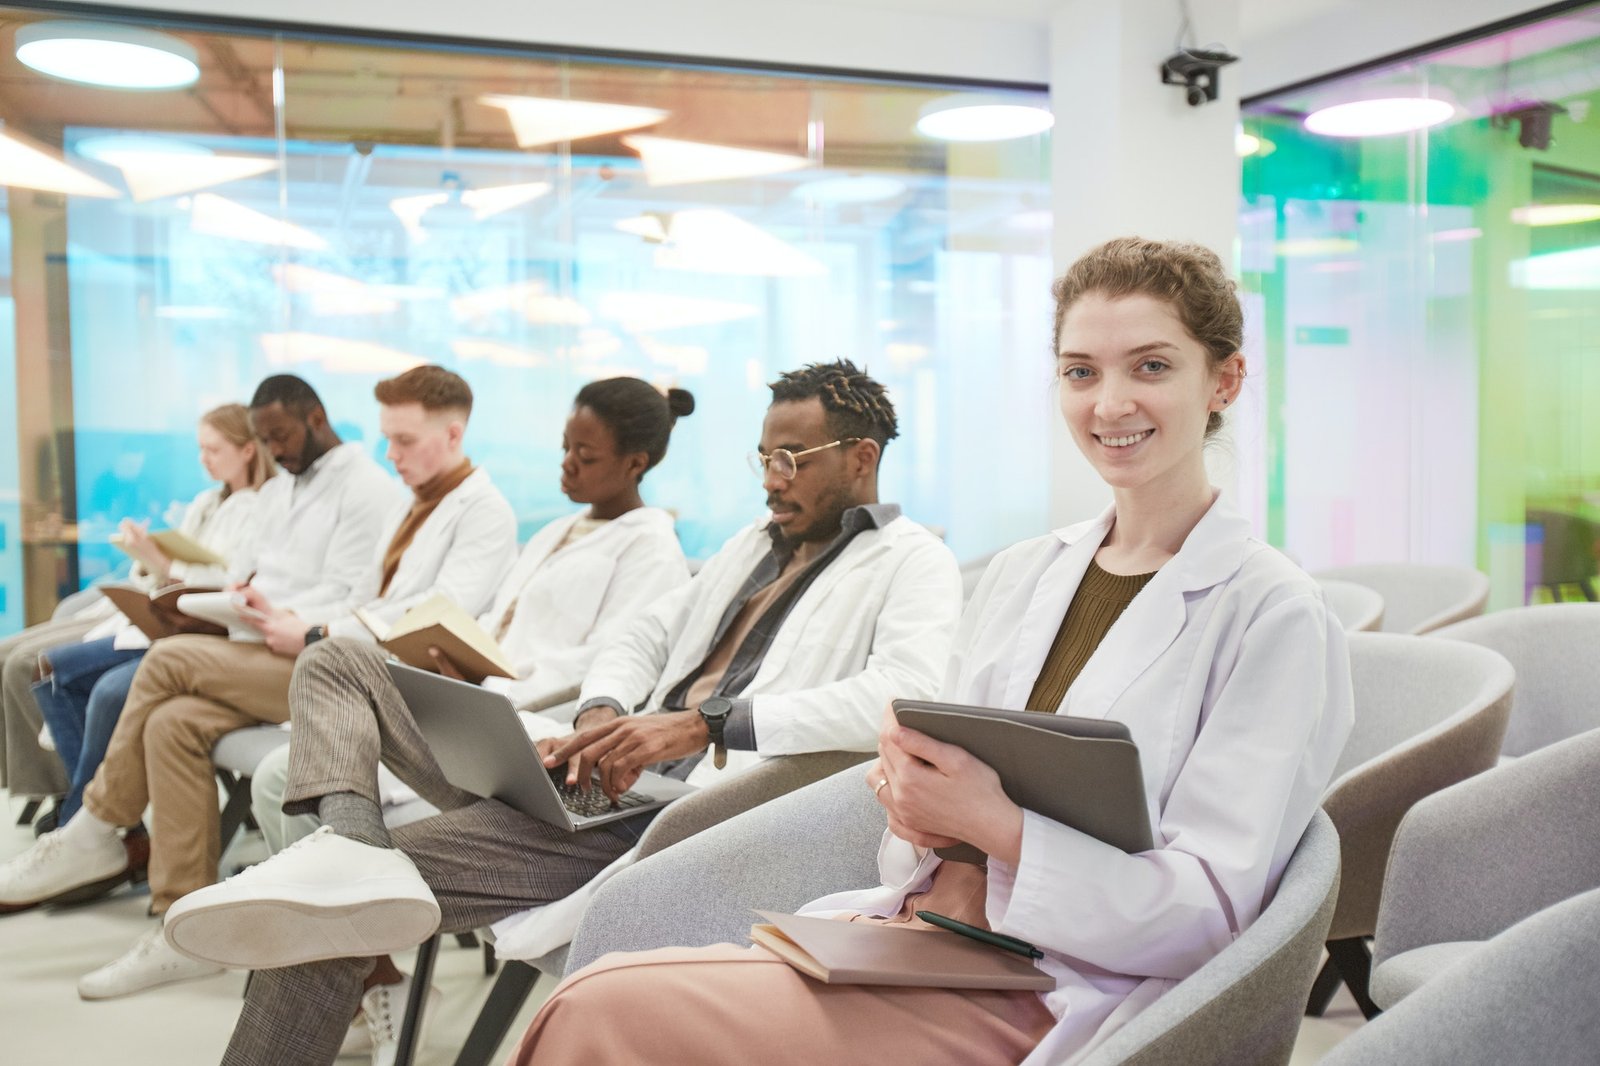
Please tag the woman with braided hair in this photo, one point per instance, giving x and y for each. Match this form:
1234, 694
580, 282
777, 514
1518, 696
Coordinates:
1165, 614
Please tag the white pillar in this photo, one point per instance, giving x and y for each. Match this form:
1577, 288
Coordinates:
1129, 156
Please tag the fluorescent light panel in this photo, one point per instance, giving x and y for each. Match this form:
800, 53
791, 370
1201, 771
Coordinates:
537, 120
673, 162
26, 165
217, 216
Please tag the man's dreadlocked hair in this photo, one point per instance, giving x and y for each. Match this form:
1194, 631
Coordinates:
856, 406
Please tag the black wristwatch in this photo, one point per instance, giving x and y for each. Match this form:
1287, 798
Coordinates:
314, 634
714, 712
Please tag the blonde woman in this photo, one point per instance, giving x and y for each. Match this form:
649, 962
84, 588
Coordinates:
82, 696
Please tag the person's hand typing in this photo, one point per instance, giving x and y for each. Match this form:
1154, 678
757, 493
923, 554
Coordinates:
622, 747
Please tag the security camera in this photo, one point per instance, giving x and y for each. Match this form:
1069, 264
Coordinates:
1533, 123
1196, 70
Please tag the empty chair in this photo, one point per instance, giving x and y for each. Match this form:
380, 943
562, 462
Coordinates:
1429, 713
1553, 648
1528, 996
1418, 598
1358, 608
1475, 859
1567, 550
1242, 1006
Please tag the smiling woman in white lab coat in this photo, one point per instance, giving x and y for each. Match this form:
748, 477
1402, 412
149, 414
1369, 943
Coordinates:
1165, 614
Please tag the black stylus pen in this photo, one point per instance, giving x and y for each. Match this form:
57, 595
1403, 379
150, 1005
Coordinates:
999, 940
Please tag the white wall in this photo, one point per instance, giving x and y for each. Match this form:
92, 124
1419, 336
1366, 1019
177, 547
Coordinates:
1281, 41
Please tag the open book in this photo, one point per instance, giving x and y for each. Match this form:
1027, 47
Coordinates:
438, 623
156, 613
181, 547
865, 953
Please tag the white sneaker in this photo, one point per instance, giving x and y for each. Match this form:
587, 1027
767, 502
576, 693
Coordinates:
384, 1009
150, 963
323, 897
60, 870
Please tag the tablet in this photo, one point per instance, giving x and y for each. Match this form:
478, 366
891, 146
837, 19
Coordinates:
1081, 772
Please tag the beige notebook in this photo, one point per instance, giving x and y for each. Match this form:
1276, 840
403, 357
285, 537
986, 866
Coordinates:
156, 613
180, 546
865, 953
438, 623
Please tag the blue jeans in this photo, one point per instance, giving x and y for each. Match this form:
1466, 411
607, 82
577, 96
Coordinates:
81, 701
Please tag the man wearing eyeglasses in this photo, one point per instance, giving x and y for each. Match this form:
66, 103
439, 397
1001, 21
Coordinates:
791, 639
800, 629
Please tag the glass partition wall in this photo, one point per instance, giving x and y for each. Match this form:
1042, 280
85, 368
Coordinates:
344, 210
1432, 332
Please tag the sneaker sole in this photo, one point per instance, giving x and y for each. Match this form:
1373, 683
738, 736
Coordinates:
264, 935
86, 893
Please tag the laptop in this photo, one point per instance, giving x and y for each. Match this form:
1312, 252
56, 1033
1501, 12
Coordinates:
1083, 772
482, 748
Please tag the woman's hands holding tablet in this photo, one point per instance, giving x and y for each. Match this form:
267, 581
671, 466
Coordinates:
938, 795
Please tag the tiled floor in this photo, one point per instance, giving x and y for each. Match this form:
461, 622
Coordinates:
43, 1023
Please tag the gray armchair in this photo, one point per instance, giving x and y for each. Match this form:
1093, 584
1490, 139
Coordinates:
1471, 861
1552, 648
1242, 1006
1418, 598
683, 819
1528, 996
1358, 608
1429, 713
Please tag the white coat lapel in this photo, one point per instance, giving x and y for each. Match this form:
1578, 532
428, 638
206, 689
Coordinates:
1212, 553
1052, 595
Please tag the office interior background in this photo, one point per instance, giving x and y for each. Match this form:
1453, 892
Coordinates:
345, 204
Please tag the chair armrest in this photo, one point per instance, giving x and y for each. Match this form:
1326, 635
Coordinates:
711, 806
1367, 804
1471, 861
823, 838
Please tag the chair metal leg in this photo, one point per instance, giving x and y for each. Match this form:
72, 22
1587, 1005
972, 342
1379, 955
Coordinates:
510, 992
416, 1003
1323, 991
237, 810
29, 809
1354, 959
490, 963
467, 940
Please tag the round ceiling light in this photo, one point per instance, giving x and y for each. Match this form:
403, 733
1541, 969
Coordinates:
1380, 117
109, 55
979, 118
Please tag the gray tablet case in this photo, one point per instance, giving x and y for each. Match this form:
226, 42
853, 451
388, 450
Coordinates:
1081, 772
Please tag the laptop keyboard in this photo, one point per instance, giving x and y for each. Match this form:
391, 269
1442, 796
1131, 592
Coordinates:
594, 802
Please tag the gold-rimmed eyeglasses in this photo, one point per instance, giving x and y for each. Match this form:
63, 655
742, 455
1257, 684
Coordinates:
786, 464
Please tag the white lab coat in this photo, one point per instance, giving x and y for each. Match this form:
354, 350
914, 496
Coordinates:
571, 602
461, 551
318, 530
229, 527
1234, 679
874, 625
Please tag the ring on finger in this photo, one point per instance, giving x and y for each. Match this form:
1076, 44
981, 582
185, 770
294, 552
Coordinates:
879, 786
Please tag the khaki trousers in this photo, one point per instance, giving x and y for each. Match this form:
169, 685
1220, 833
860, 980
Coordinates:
189, 691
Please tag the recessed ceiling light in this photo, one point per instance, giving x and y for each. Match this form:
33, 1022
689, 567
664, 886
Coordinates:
982, 118
1555, 214
109, 55
851, 189
1380, 117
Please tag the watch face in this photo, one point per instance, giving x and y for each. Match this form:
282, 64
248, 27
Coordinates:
716, 707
